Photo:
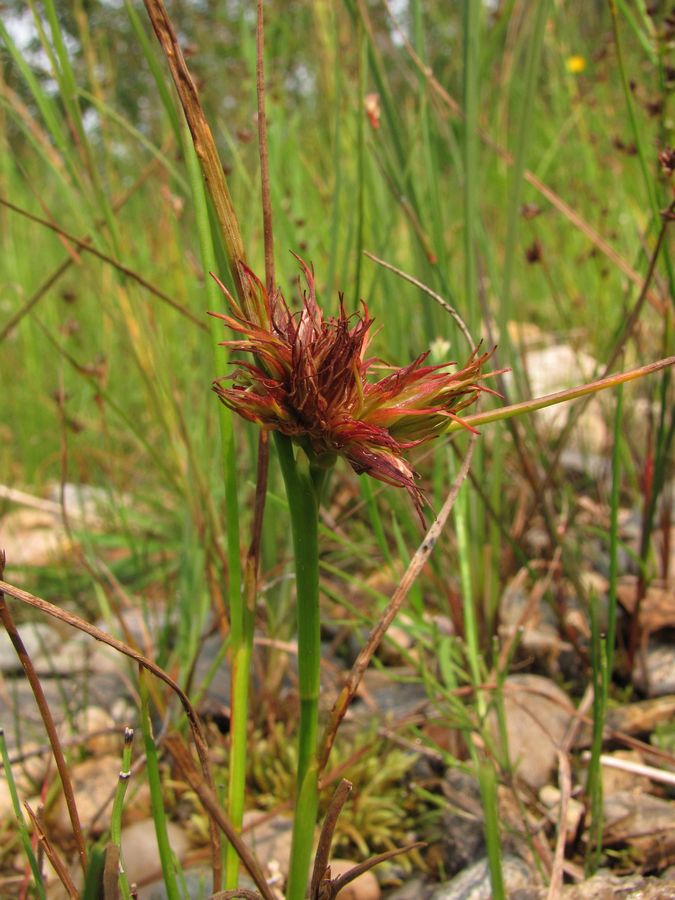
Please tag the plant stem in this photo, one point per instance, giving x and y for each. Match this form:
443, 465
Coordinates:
302, 491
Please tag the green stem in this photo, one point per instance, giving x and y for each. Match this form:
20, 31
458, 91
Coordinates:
303, 488
241, 622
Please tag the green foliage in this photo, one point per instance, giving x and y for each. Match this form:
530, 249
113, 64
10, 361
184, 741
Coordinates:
105, 383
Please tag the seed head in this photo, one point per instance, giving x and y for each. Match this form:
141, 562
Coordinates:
308, 376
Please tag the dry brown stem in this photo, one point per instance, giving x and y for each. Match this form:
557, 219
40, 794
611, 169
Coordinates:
202, 138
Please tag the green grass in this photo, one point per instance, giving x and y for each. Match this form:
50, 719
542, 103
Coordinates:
102, 383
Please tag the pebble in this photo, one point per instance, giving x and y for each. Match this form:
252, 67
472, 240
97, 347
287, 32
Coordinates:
270, 840
606, 886
616, 780
558, 367
537, 714
645, 824
550, 797
32, 537
98, 731
365, 887
415, 889
660, 666
94, 782
38, 638
462, 838
474, 883
140, 853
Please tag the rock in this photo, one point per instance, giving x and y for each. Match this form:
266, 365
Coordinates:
522, 610
98, 731
462, 838
633, 718
32, 537
558, 367
217, 695
54, 885
198, 883
27, 726
657, 607
659, 663
270, 840
398, 645
606, 886
415, 889
550, 797
474, 883
6, 808
139, 850
94, 783
537, 715
615, 780
82, 501
38, 639
381, 692
644, 823
365, 887
31, 768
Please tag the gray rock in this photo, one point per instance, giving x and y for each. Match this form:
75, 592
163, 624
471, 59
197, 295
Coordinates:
140, 853
644, 823
415, 889
462, 838
537, 714
606, 886
38, 638
270, 840
198, 883
660, 665
474, 883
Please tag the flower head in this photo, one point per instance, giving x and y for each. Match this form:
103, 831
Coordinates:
309, 377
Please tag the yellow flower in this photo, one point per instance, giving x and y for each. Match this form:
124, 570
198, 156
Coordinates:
575, 65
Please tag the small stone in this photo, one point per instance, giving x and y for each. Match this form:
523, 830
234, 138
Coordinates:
98, 730
365, 887
659, 662
615, 780
198, 883
474, 883
397, 646
6, 807
140, 854
270, 840
33, 538
537, 714
94, 783
31, 768
644, 823
415, 889
550, 797
38, 638
633, 718
607, 886
462, 839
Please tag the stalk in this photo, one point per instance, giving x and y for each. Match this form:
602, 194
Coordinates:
302, 483
240, 623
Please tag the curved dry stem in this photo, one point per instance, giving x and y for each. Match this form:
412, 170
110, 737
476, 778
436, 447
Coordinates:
84, 244
48, 720
76, 622
202, 138
322, 854
450, 310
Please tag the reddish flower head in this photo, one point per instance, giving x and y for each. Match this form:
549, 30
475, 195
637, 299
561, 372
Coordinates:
309, 379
